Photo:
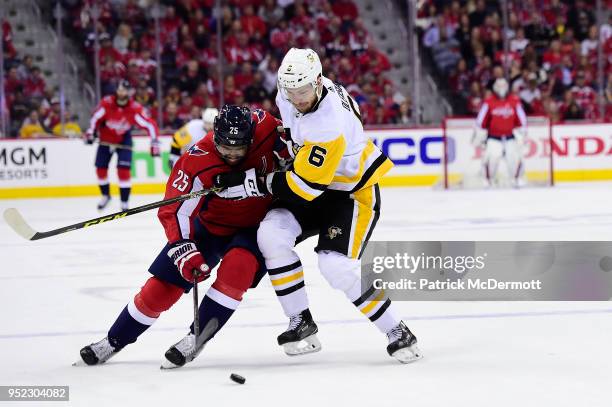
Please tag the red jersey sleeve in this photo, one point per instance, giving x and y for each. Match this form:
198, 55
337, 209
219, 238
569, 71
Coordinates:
98, 115
192, 172
142, 120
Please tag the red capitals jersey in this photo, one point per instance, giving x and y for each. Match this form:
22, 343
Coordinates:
196, 169
113, 121
501, 116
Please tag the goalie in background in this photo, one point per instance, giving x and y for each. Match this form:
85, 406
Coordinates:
501, 127
191, 133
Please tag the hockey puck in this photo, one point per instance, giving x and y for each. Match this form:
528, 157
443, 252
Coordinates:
237, 378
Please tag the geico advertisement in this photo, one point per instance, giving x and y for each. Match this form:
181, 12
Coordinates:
57, 162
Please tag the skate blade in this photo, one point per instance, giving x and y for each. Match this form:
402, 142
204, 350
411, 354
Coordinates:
408, 355
79, 363
167, 365
307, 345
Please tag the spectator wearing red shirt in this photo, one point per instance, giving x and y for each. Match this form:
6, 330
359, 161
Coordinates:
552, 57
107, 50
281, 36
198, 19
35, 85
185, 53
358, 37
584, 95
12, 81
169, 27
475, 99
7, 40
243, 51
252, 23
184, 109
346, 10
374, 61
244, 75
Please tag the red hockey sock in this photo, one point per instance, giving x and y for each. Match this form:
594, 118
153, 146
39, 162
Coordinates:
157, 296
102, 174
236, 273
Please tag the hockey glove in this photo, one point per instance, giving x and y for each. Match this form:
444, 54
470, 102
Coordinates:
189, 261
239, 185
154, 148
89, 137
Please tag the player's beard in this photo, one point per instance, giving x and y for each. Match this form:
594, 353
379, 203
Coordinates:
122, 101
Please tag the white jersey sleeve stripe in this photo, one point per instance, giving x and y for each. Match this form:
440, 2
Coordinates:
95, 118
521, 115
482, 114
142, 122
187, 209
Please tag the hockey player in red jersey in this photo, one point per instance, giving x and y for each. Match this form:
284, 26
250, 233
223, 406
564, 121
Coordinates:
112, 122
201, 232
503, 118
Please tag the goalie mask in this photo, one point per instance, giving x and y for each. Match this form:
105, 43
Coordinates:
299, 78
500, 87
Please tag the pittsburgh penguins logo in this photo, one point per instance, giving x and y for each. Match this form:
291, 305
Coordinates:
333, 232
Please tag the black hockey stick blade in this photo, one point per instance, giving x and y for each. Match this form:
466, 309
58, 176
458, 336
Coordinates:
14, 219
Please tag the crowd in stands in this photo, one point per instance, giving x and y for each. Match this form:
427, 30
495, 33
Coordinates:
551, 61
33, 107
255, 36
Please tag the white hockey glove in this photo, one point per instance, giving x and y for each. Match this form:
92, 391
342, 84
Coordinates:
239, 185
479, 137
520, 134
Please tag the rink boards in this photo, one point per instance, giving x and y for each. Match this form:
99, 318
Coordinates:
64, 167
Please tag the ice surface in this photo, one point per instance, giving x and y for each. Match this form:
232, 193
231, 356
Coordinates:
62, 293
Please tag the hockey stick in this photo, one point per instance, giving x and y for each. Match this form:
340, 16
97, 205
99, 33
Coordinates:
196, 307
14, 219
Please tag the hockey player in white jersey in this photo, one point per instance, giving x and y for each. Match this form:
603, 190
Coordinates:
191, 133
332, 191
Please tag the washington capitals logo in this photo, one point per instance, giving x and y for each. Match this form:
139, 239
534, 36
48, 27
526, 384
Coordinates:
197, 151
333, 232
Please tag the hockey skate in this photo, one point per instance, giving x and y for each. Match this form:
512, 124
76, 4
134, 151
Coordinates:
104, 202
188, 348
124, 206
300, 337
181, 352
403, 344
98, 353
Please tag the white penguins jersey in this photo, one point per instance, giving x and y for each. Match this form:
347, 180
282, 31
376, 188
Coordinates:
333, 151
185, 137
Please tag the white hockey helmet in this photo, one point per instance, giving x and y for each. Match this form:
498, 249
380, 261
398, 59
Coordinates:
208, 117
209, 114
298, 68
500, 87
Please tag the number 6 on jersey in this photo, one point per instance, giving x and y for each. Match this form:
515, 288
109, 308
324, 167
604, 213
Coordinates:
317, 156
